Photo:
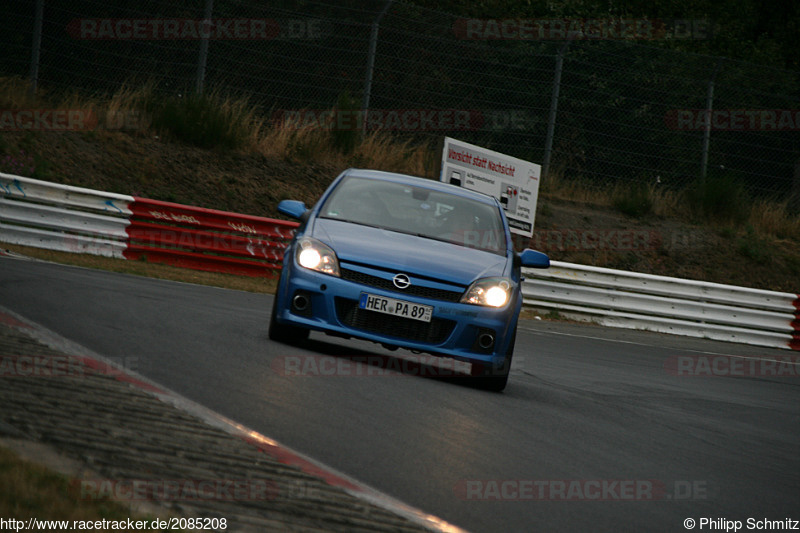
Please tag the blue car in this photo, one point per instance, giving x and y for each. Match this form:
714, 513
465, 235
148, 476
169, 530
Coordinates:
405, 262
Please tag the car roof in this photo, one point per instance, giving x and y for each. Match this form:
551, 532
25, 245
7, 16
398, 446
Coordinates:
421, 182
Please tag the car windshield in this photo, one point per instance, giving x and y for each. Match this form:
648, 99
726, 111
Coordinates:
417, 211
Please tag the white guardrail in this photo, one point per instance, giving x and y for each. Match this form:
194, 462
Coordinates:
668, 305
61, 217
73, 219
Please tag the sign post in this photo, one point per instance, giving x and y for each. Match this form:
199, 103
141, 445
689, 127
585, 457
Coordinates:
512, 181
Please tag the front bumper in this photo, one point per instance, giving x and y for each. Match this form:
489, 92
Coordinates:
455, 329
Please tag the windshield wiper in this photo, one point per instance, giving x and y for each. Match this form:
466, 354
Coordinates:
360, 223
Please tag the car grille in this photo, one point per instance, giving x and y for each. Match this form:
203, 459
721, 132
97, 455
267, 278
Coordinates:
434, 332
412, 290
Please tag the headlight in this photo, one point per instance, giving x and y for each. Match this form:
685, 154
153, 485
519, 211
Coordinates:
492, 292
315, 255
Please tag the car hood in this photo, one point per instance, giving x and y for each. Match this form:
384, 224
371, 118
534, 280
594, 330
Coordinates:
407, 253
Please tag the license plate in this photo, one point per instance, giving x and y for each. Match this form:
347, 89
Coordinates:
390, 306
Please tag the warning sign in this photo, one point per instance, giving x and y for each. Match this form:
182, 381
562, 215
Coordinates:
512, 181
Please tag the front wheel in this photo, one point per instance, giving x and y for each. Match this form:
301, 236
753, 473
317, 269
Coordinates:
284, 333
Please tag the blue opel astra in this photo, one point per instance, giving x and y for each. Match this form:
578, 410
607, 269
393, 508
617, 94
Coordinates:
405, 262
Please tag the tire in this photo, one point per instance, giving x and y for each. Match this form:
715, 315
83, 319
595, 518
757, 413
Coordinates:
284, 333
492, 378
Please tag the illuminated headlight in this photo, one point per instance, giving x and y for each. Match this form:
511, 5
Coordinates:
314, 255
492, 292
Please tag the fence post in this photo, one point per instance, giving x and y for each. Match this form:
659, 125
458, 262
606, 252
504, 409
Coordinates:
794, 196
551, 120
202, 57
707, 129
373, 40
36, 46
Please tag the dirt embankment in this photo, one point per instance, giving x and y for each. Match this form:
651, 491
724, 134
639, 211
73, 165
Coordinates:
146, 165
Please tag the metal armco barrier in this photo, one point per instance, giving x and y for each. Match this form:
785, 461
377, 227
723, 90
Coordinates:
61, 217
206, 239
73, 219
668, 305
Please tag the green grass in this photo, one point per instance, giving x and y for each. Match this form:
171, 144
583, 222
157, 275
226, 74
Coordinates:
42, 169
754, 247
206, 121
635, 201
29, 490
721, 198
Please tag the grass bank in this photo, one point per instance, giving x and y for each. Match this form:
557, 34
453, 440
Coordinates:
223, 152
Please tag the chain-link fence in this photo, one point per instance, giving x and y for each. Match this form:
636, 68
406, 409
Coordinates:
606, 109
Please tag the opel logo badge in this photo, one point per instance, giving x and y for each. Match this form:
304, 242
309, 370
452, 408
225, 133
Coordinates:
401, 281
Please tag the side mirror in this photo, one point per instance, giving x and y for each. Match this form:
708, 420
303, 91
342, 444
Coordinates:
533, 259
293, 208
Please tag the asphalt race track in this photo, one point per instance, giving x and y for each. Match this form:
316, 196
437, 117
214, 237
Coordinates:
598, 430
